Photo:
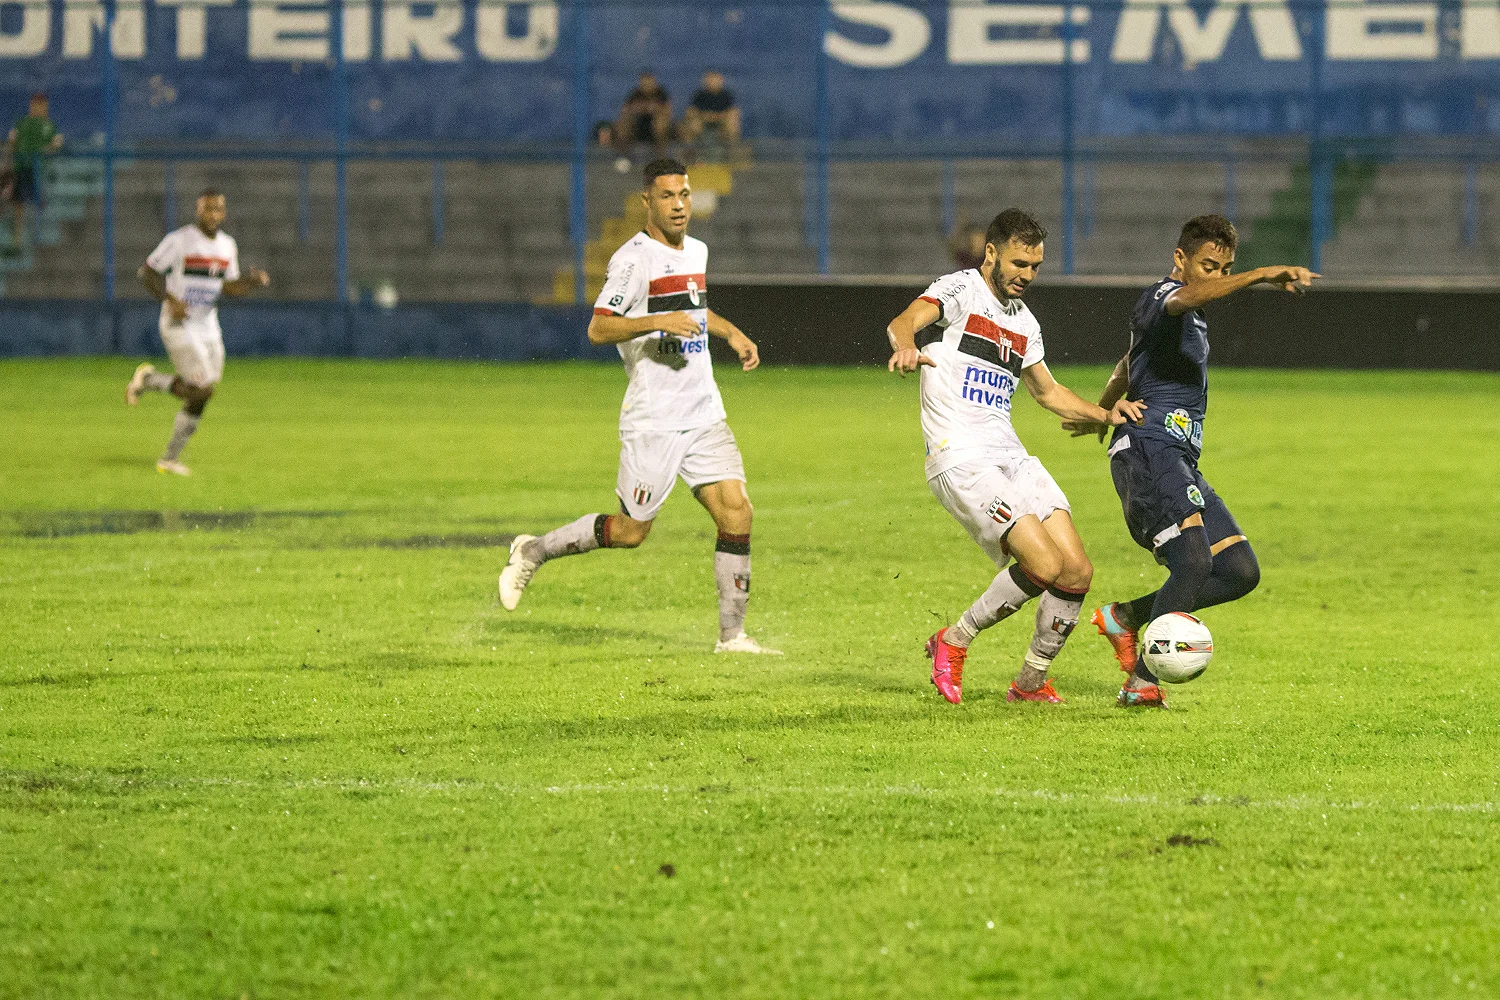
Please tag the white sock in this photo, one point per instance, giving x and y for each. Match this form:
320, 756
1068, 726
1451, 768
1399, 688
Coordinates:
1056, 617
159, 382
1004, 596
589, 532
732, 574
183, 426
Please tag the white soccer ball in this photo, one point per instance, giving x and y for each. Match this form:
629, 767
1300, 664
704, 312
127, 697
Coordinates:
1177, 647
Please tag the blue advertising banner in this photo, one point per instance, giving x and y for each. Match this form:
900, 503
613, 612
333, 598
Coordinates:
915, 70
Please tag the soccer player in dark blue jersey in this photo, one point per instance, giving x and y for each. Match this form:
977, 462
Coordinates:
1169, 507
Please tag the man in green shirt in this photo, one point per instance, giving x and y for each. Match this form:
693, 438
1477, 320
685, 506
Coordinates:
33, 136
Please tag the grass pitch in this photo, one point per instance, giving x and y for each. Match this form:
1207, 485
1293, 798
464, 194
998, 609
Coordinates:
266, 732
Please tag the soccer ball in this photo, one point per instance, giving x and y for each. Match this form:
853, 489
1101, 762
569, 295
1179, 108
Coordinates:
1177, 647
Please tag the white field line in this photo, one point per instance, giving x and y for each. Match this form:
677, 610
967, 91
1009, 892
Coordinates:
1296, 803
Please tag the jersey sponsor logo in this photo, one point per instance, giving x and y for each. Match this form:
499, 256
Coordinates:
204, 267
988, 387
998, 511
676, 345
1194, 495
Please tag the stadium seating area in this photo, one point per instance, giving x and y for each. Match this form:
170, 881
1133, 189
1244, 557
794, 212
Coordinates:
504, 226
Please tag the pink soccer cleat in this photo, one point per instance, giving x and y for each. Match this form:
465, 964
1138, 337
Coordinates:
947, 666
1044, 693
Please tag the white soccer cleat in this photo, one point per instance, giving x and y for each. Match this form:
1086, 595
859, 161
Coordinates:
517, 573
173, 466
742, 643
138, 382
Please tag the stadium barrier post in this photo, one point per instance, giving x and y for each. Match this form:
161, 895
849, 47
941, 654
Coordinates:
304, 201
169, 196
1471, 203
1320, 180
341, 152
578, 220
824, 139
109, 151
437, 203
1231, 192
1069, 208
1086, 198
950, 211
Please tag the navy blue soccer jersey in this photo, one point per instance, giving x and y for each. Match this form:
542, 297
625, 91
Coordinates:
1168, 369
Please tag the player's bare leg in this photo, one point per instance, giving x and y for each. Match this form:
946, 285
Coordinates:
1057, 610
589, 532
729, 506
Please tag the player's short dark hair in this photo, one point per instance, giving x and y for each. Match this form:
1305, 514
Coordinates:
664, 167
210, 193
1201, 229
1015, 224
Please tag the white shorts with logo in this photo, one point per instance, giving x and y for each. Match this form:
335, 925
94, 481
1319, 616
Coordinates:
196, 350
989, 498
651, 462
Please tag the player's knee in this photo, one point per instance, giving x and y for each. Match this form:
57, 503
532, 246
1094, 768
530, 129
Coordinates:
1188, 556
627, 532
195, 402
1238, 566
1077, 574
1045, 566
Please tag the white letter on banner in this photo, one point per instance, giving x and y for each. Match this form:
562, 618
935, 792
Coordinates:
1270, 22
1480, 30
192, 25
403, 33
31, 40
287, 35
970, 44
357, 31
1351, 35
908, 29
498, 45
82, 18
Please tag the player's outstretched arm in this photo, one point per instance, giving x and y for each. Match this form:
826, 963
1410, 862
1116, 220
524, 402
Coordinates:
1114, 391
607, 328
1200, 293
742, 345
251, 280
902, 333
1053, 395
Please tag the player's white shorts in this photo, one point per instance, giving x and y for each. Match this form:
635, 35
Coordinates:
988, 499
197, 351
651, 461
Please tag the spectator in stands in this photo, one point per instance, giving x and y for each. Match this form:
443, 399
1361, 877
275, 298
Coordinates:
966, 245
646, 115
33, 137
712, 110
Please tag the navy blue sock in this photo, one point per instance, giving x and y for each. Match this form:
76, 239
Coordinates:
1190, 564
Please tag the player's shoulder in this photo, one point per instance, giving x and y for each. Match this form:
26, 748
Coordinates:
1155, 294
634, 248
695, 246
1021, 315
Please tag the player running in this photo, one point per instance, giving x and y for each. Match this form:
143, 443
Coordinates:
984, 341
654, 308
188, 271
1169, 507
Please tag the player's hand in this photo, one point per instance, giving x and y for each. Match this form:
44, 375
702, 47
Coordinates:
1086, 428
258, 277
1291, 279
176, 308
1124, 411
746, 349
908, 360
681, 324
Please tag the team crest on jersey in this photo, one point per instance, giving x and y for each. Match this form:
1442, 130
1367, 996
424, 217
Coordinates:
999, 511
692, 291
1195, 495
1179, 424
642, 494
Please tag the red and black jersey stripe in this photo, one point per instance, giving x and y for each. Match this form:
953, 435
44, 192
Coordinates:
986, 340
677, 292
205, 267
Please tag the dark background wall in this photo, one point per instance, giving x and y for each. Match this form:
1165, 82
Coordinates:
810, 324
1327, 328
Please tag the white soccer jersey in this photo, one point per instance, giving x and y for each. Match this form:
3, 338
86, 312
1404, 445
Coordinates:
980, 344
671, 378
196, 267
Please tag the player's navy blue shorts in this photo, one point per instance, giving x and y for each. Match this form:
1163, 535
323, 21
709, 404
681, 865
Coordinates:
1160, 487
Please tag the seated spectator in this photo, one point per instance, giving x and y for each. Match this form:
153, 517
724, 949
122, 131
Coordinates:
712, 108
646, 115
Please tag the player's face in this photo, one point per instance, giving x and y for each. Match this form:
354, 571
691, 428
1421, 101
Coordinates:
211, 213
669, 205
1015, 266
1208, 261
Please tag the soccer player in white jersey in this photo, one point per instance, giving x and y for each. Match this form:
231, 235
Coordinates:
973, 339
190, 269
654, 309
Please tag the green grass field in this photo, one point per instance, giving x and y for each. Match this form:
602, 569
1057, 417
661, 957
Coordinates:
266, 732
